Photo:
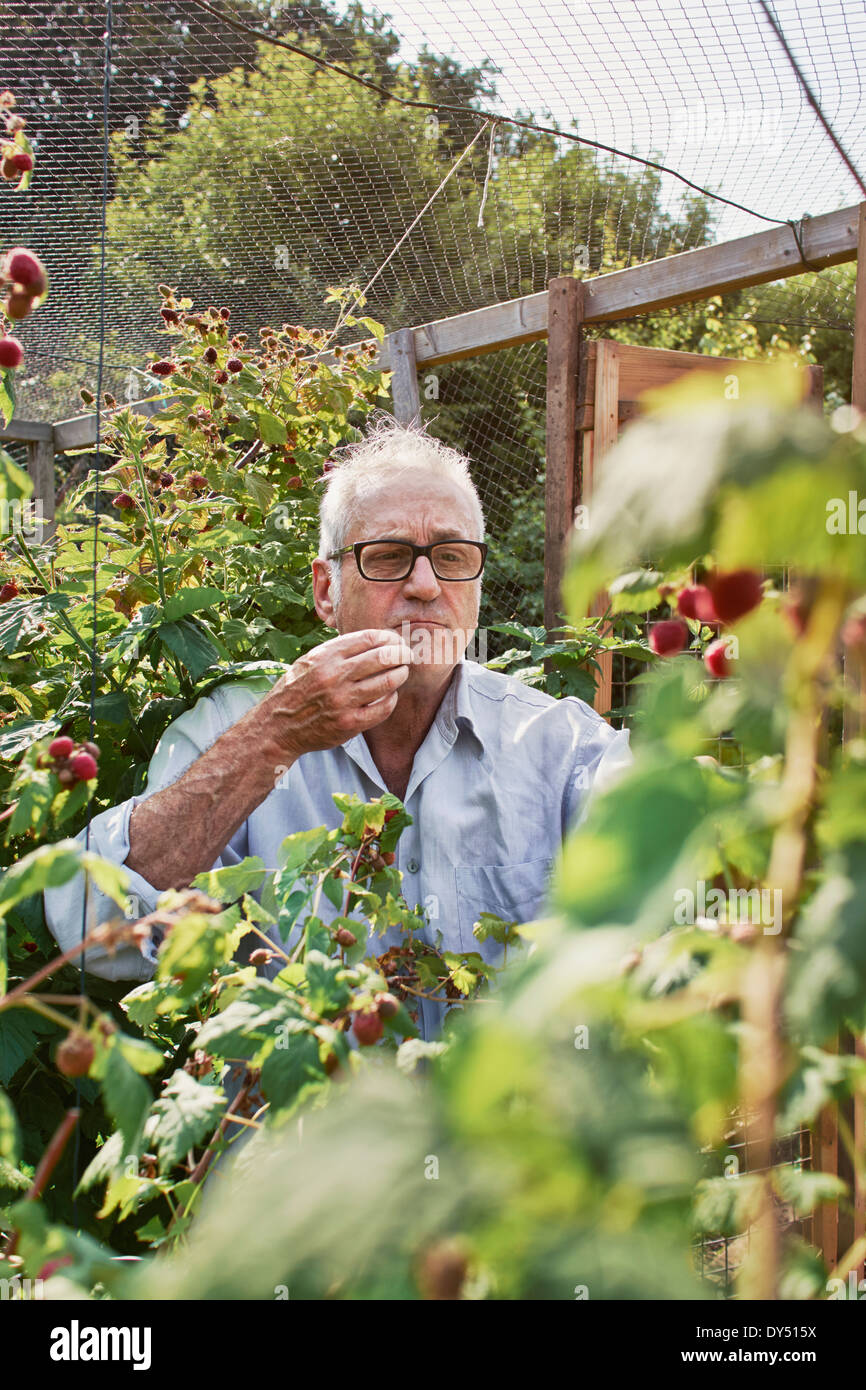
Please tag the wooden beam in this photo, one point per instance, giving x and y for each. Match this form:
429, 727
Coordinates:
690, 275
40, 466
404, 382
79, 431
26, 429
563, 360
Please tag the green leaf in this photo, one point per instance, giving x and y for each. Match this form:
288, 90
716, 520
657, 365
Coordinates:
186, 1111
229, 884
7, 395
21, 1031
197, 944
127, 1098
190, 644
333, 889
726, 1206
288, 1070
190, 601
34, 803
107, 1161
272, 430
9, 1137
260, 491
21, 615
15, 483
142, 1056
375, 328
112, 708
261, 1012
827, 984
326, 990
504, 933
296, 850
415, 1050
805, 1189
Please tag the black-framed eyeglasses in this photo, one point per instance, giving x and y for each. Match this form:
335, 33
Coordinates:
385, 560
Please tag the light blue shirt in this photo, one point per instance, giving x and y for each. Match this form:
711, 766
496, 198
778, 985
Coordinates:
503, 773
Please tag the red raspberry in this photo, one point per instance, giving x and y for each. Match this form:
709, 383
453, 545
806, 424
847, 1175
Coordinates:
235, 364
225, 314
124, 502
368, 1028
162, 368
17, 305
23, 162
83, 767
8, 591
694, 601
166, 479
716, 658
735, 594
668, 638
24, 268
75, 1054
387, 1005
345, 938
210, 355
294, 482
389, 815
221, 377
91, 748
61, 747
11, 353
170, 315
197, 480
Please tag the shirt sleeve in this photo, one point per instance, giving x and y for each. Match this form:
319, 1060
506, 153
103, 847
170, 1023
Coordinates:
66, 913
604, 754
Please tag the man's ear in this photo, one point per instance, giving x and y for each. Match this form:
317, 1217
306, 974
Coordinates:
322, 593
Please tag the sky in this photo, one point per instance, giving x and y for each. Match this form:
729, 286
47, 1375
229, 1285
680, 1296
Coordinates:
701, 85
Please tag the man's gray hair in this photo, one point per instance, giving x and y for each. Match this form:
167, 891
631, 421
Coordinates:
388, 451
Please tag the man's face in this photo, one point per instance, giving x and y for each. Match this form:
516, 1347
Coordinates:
435, 617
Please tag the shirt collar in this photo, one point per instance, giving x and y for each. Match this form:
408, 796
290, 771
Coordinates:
455, 712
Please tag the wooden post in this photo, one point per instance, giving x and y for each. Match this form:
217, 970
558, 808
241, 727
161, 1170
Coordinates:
40, 466
565, 311
604, 436
404, 382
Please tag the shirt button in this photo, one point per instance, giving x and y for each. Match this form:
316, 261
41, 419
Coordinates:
412, 866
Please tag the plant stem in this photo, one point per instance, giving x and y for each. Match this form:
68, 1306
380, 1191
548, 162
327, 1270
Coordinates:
47, 1164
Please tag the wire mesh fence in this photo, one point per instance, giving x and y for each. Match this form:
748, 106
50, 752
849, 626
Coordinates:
255, 175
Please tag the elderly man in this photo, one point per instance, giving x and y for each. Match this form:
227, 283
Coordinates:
492, 772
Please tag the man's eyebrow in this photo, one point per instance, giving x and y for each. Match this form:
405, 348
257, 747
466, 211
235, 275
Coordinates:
441, 533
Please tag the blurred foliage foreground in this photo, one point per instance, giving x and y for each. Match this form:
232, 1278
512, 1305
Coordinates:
569, 1138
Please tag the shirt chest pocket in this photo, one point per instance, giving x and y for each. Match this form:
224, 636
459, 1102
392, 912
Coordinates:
513, 891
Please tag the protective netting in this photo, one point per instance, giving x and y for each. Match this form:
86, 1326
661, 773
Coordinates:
249, 175
274, 177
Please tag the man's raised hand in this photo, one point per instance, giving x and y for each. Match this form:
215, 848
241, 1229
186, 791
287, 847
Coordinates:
338, 689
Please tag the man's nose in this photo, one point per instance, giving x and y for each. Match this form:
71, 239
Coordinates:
422, 582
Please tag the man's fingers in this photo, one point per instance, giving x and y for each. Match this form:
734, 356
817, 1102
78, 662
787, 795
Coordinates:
377, 659
364, 640
370, 715
367, 692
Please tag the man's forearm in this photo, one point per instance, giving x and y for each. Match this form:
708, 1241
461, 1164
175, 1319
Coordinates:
179, 832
